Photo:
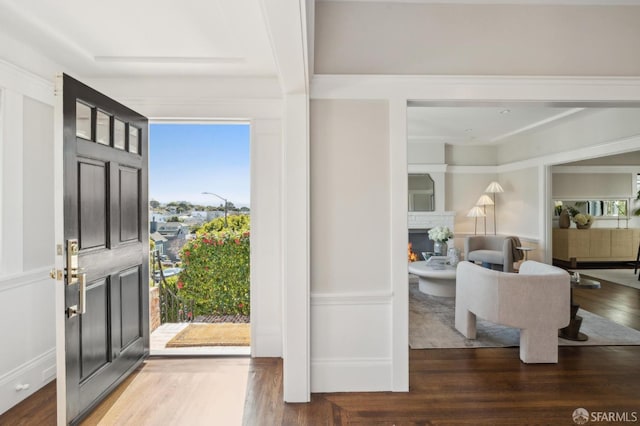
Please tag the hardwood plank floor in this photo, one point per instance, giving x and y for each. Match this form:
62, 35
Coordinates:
38, 409
487, 386
616, 302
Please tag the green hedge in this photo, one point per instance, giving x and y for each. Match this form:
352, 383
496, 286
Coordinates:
216, 273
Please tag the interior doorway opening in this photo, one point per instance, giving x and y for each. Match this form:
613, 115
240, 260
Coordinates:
200, 228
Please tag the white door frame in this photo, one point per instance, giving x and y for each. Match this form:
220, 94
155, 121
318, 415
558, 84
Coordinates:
398, 90
252, 254
58, 215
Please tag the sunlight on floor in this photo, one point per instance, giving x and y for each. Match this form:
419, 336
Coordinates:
172, 391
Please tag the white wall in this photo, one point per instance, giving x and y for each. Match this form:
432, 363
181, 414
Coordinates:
350, 246
463, 191
471, 155
444, 39
591, 186
518, 206
426, 152
27, 353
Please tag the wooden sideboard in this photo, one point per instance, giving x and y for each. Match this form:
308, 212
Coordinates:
595, 245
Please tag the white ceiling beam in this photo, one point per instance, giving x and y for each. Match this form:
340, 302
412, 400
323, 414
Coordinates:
286, 22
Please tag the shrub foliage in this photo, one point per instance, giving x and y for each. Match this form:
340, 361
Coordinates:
215, 271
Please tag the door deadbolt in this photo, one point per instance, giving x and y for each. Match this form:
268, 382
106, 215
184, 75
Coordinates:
74, 276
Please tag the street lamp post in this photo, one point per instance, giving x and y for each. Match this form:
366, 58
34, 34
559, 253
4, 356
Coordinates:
225, 206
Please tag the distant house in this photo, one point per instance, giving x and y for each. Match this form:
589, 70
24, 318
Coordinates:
176, 234
159, 241
172, 230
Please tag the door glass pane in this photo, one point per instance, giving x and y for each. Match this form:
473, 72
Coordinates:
83, 121
118, 134
134, 140
103, 128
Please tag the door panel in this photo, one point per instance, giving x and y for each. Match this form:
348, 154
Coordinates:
92, 204
129, 205
106, 210
94, 334
130, 291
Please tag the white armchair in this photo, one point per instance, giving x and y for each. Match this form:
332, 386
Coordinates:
535, 300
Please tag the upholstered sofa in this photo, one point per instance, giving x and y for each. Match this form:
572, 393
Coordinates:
535, 300
492, 250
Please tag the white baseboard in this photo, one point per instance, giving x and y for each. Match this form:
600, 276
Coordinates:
267, 342
351, 375
351, 342
21, 382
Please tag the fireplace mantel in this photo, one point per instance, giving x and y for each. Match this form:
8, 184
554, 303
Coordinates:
428, 220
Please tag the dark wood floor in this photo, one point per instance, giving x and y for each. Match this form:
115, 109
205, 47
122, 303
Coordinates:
617, 302
488, 386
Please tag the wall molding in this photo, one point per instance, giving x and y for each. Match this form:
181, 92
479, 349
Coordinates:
578, 91
12, 281
354, 298
472, 169
26, 83
351, 374
36, 373
427, 168
16, 372
595, 169
612, 147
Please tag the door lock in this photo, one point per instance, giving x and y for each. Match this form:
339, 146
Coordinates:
73, 248
74, 275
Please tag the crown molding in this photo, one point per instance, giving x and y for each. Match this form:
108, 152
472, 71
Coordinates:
502, 2
439, 90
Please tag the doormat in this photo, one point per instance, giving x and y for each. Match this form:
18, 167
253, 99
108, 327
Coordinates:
220, 334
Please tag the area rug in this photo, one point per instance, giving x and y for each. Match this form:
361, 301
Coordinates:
617, 276
221, 334
432, 325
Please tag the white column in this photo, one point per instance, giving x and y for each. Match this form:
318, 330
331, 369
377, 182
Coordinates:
398, 255
11, 250
545, 204
296, 302
266, 246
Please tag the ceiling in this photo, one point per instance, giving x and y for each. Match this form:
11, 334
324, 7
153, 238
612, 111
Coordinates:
145, 37
479, 125
216, 38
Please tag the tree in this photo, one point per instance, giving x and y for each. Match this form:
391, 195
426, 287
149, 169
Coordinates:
237, 223
215, 273
154, 204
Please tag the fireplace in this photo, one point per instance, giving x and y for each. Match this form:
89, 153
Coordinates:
420, 242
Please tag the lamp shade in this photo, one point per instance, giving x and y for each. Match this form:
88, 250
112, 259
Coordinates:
476, 211
484, 200
494, 187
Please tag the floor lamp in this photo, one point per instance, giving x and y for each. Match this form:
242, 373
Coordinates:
475, 213
484, 201
492, 189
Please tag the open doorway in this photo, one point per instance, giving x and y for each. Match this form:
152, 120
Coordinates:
200, 221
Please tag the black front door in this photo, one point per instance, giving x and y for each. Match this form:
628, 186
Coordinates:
106, 244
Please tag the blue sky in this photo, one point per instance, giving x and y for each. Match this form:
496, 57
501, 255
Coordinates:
188, 159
